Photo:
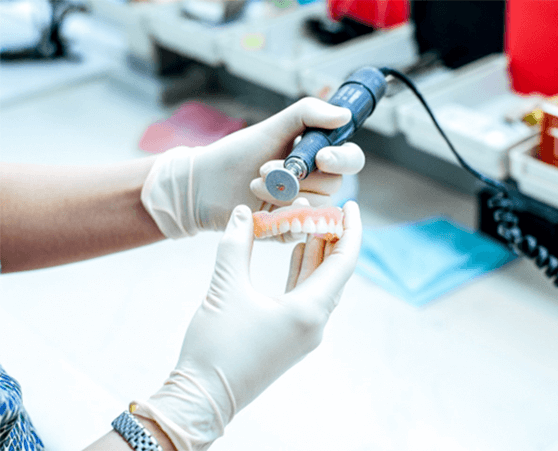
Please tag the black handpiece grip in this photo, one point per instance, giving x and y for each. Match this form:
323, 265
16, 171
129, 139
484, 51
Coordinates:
360, 94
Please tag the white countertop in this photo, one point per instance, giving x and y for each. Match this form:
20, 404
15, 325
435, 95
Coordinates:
475, 370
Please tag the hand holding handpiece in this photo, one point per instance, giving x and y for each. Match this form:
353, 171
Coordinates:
239, 341
189, 190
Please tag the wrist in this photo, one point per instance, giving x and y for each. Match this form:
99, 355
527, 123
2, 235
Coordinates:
190, 416
168, 195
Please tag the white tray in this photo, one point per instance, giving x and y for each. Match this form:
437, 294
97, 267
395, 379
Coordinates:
133, 19
117, 12
471, 109
394, 48
203, 41
534, 177
285, 51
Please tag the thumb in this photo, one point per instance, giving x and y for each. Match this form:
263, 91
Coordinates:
328, 279
235, 248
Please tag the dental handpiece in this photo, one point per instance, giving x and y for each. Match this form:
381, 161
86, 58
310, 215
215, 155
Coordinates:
360, 93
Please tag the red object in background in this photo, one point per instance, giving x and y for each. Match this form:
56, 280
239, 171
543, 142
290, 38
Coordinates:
374, 13
531, 42
193, 124
548, 149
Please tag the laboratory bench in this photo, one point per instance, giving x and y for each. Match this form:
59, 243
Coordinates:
475, 369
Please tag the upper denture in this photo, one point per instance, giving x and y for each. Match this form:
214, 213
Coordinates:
324, 222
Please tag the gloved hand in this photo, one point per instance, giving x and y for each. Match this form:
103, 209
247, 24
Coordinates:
193, 189
240, 341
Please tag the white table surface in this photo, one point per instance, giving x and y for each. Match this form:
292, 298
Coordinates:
475, 370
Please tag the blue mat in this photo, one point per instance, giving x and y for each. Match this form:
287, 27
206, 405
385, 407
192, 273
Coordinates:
419, 262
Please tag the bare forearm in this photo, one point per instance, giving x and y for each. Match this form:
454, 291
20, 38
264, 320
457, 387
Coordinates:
53, 215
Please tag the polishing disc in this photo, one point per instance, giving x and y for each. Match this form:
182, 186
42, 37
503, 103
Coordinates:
282, 184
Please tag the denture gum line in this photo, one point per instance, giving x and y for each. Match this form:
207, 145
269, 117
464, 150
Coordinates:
326, 223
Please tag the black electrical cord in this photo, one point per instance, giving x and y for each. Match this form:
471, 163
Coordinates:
502, 203
493, 183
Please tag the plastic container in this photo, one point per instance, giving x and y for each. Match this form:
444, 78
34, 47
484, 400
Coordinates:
548, 151
191, 38
273, 54
395, 48
133, 19
532, 45
375, 13
535, 178
118, 12
472, 110
203, 41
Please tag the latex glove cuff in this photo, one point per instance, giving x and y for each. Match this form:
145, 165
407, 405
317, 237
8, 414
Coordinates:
167, 193
190, 417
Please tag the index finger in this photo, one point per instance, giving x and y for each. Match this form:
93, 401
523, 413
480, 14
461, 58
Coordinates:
308, 112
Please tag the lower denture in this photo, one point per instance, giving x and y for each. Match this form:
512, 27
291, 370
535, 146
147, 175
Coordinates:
296, 219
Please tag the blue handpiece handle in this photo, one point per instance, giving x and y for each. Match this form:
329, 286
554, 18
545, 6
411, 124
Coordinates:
360, 94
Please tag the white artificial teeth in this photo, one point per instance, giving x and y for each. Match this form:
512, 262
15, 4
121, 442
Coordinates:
321, 227
331, 226
284, 227
309, 226
274, 230
296, 226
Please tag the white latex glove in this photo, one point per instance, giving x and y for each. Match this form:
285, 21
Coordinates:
193, 189
240, 341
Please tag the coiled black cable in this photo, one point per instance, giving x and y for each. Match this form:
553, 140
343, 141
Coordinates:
527, 245
502, 204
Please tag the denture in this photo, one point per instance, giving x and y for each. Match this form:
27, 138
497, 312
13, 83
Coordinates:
326, 223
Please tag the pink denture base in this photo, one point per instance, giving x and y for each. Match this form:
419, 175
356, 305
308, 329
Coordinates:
326, 223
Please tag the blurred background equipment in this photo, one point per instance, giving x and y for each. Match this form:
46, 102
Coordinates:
333, 32
548, 150
532, 46
460, 32
349, 19
381, 14
32, 29
213, 12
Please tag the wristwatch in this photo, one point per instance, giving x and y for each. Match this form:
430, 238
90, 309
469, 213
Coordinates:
135, 433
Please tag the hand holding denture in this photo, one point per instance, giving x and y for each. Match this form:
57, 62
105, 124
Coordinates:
239, 340
188, 190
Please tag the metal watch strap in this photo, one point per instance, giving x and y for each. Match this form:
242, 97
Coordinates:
135, 433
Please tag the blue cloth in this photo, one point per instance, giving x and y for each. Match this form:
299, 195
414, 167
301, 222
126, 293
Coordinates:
419, 262
16, 430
